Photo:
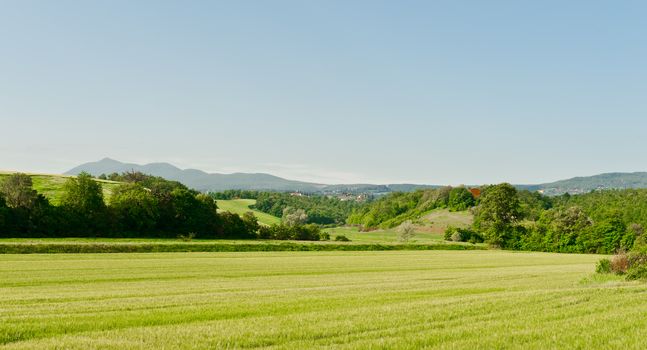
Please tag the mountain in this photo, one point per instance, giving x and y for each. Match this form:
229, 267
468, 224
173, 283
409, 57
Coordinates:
203, 181
586, 184
199, 179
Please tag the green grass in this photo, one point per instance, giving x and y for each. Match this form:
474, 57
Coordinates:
382, 236
51, 185
438, 220
241, 206
316, 300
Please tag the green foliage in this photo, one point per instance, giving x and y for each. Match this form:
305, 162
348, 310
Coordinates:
460, 198
342, 238
307, 232
497, 215
603, 266
458, 234
135, 208
398, 207
321, 210
17, 191
294, 217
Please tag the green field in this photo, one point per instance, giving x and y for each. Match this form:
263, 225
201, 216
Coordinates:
51, 185
382, 236
297, 300
241, 206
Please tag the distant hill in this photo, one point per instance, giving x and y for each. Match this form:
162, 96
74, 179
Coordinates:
203, 181
589, 183
199, 179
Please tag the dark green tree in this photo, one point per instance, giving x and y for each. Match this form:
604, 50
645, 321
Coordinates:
498, 213
460, 198
135, 208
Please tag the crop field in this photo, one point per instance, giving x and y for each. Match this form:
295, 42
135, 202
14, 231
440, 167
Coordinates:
241, 206
297, 300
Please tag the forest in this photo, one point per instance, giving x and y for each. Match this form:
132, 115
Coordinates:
141, 206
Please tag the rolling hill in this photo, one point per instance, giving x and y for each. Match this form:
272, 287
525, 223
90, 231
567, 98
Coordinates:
203, 181
585, 184
241, 206
198, 179
50, 185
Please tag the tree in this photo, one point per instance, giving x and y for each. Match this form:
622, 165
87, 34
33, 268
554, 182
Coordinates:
82, 198
460, 198
498, 213
83, 194
406, 231
18, 191
294, 217
251, 222
135, 208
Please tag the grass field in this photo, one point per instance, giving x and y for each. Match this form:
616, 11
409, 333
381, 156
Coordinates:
142, 245
297, 300
241, 206
51, 185
382, 236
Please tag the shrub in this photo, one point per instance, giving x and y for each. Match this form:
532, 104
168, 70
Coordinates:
620, 263
188, 237
324, 236
637, 273
603, 266
406, 231
342, 238
462, 235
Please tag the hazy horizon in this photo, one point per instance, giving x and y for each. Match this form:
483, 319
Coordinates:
464, 92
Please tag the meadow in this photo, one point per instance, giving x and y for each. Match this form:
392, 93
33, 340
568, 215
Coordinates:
291, 300
241, 206
51, 186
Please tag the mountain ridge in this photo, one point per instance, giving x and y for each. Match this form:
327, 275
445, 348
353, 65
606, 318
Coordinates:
203, 181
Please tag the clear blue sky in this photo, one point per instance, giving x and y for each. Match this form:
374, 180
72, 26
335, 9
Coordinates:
442, 92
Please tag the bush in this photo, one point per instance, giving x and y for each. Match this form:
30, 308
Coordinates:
187, 238
325, 236
342, 238
620, 263
309, 232
637, 273
603, 266
456, 234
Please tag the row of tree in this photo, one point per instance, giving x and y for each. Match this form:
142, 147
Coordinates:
143, 206
598, 222
321, 210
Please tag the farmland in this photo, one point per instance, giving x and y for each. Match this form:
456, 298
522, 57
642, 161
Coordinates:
287, 300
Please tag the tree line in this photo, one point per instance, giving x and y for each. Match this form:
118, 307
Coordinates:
598, 222
321, 210
142, 206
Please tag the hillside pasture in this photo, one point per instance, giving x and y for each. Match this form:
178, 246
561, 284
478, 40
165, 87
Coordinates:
51, 186
241, 206
316, 300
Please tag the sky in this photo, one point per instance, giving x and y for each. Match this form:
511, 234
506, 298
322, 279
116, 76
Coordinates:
434, 92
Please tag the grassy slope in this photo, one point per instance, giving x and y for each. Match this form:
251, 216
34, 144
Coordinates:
50, 185
241, 206
297, 300
429, 228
